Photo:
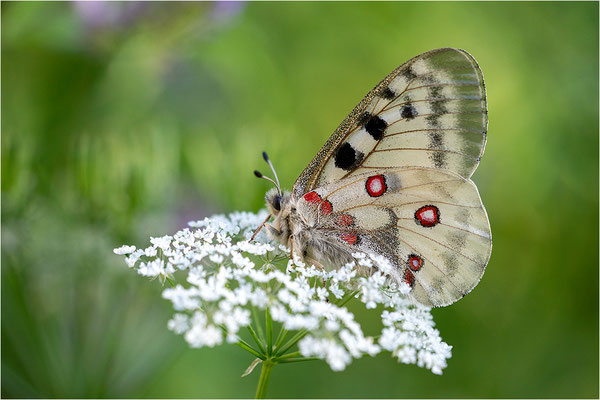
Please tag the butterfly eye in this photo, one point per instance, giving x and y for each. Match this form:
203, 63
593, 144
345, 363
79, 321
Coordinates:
277, 203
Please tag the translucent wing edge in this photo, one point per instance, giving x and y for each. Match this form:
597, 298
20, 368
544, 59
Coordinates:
487, 257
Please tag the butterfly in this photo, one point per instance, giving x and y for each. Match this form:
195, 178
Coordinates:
393, 180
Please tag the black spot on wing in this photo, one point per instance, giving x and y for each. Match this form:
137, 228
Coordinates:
427, 79
435, 92
408, 112
439, 159
409, 74
435, 140
375, 126
433, 121
437, 104
388, 94
457, 240
438, 107
450, 263
347, 157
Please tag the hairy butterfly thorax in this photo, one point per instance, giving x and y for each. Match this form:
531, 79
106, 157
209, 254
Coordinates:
296, 225
393, 180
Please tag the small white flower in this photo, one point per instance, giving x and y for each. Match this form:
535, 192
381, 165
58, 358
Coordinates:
200, 336
163, 242
232, 319
182, 298
241, 261
345, 273
216, 258
322, 293
124, 250
179, 323
332, 325
335, 289
255, 248
336, 356
150, 251
153, 268
133, 258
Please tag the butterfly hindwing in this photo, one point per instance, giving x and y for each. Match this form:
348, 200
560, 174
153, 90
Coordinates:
429, 223
429, 112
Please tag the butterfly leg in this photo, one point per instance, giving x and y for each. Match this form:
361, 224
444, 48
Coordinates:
260, 227
301, 252
291, 246
318, 265
314, 262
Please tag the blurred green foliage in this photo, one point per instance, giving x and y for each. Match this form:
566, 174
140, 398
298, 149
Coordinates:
124, 120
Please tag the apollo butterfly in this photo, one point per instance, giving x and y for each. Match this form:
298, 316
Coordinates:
393, 180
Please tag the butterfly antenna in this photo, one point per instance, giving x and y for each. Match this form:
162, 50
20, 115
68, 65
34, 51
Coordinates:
266, 157
259, 175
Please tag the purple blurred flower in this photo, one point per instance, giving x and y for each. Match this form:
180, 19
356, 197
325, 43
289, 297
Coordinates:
102, 14
223, 11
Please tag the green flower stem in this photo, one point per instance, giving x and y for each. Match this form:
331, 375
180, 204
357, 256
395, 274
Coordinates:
295, 339
269, 332
265, 375
257, 340
289, 355
282, 334
249, 348
256, 320
347, 299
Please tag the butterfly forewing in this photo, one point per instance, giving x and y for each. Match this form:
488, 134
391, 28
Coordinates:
429, 112
430, 224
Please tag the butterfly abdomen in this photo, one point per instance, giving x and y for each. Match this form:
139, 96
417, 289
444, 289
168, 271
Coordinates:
324, 248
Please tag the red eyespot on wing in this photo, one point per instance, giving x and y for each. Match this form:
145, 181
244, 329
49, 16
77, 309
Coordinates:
312, 197
427, 216
376, 185
409, 278
415, 262
326, 207
344, 220
349, 238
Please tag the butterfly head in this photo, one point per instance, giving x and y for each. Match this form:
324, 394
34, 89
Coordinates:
279, 206
277, 201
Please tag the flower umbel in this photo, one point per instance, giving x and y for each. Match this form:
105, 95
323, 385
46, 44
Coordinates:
231, 287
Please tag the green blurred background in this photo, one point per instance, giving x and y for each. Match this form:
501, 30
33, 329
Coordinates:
122, 121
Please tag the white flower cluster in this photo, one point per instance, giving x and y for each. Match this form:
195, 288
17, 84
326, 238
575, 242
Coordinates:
229, 278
